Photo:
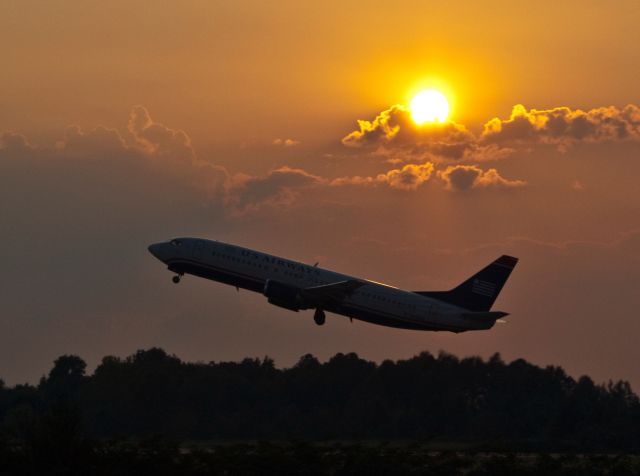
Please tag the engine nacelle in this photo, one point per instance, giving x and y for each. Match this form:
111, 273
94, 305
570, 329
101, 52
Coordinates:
283, 295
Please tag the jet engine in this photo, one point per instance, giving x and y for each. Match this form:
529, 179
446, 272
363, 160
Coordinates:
283, 295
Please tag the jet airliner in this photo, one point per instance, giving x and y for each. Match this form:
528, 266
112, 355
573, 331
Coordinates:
297, 286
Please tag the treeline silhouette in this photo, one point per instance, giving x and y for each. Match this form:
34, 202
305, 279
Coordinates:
490, 404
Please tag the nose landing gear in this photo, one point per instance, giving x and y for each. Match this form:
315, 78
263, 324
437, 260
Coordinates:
176, 278
319, 316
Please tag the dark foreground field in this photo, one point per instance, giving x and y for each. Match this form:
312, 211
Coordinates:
160, 457
440, 415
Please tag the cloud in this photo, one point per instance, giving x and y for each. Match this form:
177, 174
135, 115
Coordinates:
156, 138
563, 126
466, 177
280, 187
153, 156
97, 143
394, 135
171, 150
393, 132
283, 186
285, 142
412, 176
12, 142
408, 177
578, 185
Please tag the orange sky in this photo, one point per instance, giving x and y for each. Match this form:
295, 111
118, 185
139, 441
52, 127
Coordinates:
182, 114
282, 68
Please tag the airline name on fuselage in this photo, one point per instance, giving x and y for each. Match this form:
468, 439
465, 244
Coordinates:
276, 261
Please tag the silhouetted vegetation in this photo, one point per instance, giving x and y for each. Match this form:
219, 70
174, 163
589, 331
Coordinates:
137, 409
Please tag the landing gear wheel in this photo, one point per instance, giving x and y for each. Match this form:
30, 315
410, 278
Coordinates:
176, 279
319, 317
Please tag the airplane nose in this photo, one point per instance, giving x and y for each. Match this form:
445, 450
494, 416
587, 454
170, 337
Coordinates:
154, 249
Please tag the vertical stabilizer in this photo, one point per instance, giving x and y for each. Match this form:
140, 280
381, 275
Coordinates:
479, 292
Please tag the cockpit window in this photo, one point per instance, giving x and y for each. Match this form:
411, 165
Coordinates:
176, 242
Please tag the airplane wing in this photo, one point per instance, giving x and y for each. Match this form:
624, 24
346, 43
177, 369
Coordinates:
337, 291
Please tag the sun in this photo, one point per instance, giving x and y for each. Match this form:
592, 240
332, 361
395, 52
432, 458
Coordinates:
429, 105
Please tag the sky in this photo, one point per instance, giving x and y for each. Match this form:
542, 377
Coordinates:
284, 127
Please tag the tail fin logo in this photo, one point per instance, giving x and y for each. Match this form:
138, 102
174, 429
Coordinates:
484, 288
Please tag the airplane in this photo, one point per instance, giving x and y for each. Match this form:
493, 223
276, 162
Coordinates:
298, 286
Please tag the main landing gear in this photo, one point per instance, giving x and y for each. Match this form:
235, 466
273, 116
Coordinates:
319, 316
176, 278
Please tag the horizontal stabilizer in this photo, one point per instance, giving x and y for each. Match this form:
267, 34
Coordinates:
485, 316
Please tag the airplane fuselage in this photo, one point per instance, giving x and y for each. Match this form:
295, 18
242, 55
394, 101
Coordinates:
279, 278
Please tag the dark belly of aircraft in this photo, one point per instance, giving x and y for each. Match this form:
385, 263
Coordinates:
217, 274
252, 283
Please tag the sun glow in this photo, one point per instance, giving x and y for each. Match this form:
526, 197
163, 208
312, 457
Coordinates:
429, 105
